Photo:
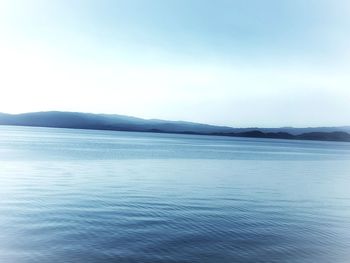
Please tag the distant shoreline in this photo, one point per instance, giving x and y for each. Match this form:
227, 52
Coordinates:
316, 136
107, 122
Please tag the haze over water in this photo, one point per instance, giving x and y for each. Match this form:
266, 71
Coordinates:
99, 196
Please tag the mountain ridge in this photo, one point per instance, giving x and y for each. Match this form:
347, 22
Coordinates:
79, 120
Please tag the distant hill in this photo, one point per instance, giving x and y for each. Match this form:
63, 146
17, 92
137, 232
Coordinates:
77, 120
105, 122
296, 131
317, 136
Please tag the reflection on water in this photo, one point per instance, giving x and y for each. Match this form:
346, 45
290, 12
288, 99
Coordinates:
99, 196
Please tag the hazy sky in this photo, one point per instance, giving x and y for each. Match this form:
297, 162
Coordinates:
238, 63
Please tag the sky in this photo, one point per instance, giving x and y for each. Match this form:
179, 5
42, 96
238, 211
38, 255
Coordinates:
239, 63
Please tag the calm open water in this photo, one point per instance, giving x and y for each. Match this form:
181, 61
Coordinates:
100, 196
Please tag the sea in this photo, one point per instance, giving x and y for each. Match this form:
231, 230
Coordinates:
87, 196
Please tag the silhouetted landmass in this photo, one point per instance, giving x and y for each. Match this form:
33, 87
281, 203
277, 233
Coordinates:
318, 136
78, 120
104, 122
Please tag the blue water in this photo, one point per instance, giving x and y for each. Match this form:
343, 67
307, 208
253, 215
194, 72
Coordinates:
100, 196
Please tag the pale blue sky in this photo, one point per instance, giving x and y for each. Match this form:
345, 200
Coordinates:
239, 63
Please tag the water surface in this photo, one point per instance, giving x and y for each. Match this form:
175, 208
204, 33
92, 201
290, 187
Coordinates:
101, 196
